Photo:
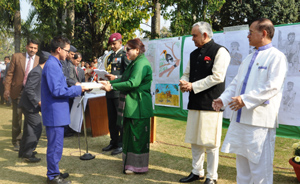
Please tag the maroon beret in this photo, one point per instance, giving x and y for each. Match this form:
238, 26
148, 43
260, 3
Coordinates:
114, 37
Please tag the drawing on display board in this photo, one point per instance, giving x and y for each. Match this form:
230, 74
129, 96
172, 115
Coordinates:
290, 47
232, 70
288, 97
167, 95
236, 60
288, 113
150, 53
236, 56
168, 61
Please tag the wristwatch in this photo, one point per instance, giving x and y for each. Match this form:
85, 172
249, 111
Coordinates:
116, 77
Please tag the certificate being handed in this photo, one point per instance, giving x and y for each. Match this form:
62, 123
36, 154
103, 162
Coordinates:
91, 85
101, 73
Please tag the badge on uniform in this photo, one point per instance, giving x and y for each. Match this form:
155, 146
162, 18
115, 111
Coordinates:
115, 68
116, 60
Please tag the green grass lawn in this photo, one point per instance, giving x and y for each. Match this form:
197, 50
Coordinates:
170, 159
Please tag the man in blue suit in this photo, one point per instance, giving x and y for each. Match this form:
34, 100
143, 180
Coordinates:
55, 95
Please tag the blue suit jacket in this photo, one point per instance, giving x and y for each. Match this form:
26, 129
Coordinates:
55, 94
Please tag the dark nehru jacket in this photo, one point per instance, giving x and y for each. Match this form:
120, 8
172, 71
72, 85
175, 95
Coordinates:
201, 64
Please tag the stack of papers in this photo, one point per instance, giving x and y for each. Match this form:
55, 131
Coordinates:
101, 73
91, 85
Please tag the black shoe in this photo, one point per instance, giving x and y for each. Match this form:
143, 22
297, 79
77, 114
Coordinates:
69, 134
109, 148
64, 175
33, 154
190, 178
210, 181
32, 159
16, 147
58, 180
117, 151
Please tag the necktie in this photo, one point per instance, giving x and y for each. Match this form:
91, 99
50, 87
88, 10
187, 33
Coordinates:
76, 71
27, 70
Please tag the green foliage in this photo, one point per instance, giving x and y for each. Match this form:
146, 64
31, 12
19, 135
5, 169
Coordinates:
165, 33
9, 10
241, 12
184, 13
95, 20
6, 44
49, 20
28, 30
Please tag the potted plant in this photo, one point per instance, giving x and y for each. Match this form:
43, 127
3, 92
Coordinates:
295, 161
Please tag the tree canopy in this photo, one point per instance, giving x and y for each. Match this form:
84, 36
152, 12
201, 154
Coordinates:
88, 24
95, 20
184, 13
241, 12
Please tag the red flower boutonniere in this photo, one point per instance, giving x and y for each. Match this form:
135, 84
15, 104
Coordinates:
207, 59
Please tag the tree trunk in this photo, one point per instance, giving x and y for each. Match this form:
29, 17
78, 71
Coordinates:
64, 14
155, 21
98, 37
17, 27
71, 15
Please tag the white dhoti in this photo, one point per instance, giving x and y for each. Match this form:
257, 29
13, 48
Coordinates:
254, 149
203, 132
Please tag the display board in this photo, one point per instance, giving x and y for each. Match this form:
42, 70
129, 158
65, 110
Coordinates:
169, 58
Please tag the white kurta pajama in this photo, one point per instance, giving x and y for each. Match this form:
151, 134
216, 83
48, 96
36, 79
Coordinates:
252, 131
199, 123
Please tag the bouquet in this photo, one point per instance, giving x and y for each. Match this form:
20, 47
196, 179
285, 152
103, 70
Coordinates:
296, 147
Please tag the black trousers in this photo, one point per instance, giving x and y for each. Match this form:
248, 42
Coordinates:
16, 121
31, 133
67, 129
116, 132
1, 91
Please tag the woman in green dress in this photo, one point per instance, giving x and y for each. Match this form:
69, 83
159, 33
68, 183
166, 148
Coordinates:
135, 108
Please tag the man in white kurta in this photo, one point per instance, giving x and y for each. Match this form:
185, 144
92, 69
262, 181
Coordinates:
204, 78
254, 95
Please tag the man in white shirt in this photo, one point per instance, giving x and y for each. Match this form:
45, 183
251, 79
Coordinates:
15, 80
204, 78
254, 95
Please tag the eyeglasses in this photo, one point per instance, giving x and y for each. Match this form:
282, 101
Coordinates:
251, 32
128, 49
66, 50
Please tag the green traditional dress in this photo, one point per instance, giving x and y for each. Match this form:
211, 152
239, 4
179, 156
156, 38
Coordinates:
135, 87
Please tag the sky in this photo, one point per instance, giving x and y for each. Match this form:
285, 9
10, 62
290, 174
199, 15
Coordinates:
26, 6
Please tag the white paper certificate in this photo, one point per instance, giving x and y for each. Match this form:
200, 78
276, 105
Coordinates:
91, 85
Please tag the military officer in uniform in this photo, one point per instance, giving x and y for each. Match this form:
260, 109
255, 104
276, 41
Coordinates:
115, 65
